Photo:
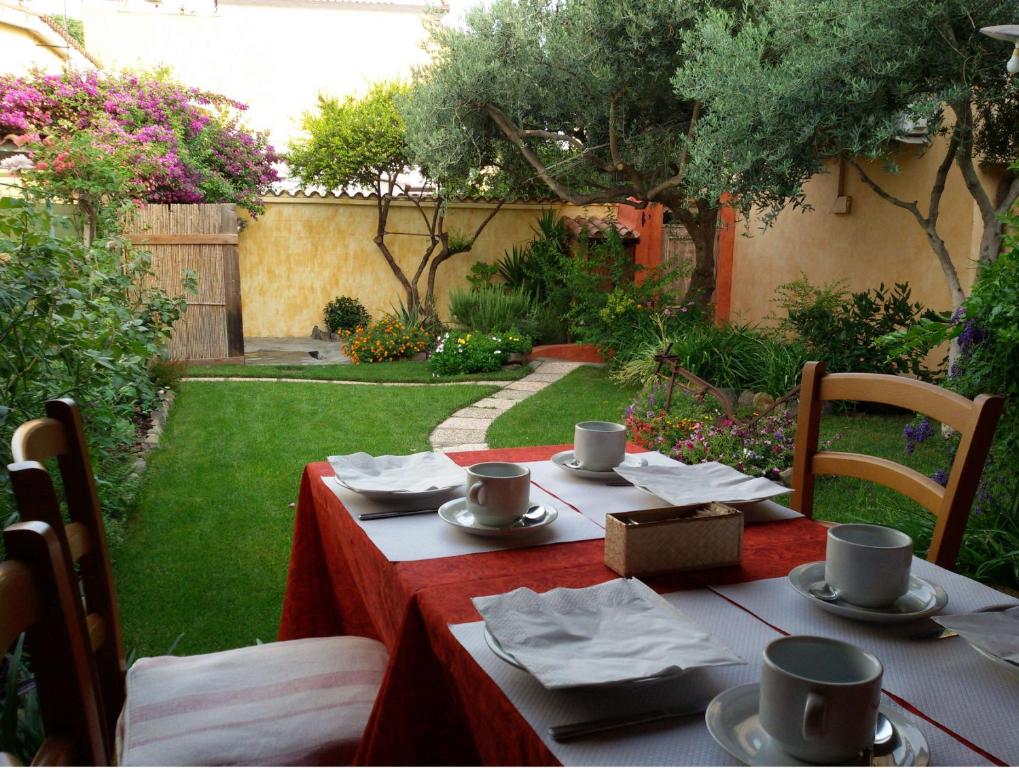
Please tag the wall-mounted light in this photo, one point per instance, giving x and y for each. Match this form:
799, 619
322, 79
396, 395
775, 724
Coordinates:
1010, 34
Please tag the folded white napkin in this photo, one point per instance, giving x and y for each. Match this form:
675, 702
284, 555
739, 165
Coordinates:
996, 632
417, 472
700, 483
613, 632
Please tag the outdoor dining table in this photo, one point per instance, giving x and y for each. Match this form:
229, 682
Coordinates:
446, 699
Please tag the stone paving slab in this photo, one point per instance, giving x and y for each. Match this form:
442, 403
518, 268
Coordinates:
465, 447
454, 436
459, 421
526, 385
515, 394
556, 366
479, 413
493, 403
546, 377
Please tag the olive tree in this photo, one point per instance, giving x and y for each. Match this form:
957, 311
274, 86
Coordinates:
574, 94
359, 143
792, 83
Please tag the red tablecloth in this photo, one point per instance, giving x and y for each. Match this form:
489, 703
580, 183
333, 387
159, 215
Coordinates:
436, 706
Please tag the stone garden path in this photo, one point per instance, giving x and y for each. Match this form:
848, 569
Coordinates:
465, 430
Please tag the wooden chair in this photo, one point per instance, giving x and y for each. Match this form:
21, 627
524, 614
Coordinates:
37, 598
293, 702
974, 420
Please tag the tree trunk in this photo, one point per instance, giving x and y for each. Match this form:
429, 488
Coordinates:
382, 208
701, 226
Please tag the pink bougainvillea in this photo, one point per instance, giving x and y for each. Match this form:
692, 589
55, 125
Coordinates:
179, 144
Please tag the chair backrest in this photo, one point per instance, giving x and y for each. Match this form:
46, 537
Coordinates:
974, 420
38, 597
83, 539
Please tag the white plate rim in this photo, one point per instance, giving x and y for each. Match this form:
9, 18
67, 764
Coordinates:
559, 459
714, 722
382, 495
875, 615
479, 529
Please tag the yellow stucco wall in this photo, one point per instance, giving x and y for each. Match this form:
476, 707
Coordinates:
304, 251
875, 242
27, 43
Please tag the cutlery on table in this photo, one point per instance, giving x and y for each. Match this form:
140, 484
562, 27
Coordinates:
400, 513
570, 731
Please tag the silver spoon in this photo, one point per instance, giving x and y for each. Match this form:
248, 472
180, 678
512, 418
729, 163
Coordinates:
535, 513
822, 590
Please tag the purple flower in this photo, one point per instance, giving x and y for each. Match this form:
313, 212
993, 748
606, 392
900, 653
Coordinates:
940, 477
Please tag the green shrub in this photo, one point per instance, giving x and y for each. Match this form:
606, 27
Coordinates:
476, 352
482, 274
843, 329
739, 357
386, 339
76, 322
345, 314
490, 309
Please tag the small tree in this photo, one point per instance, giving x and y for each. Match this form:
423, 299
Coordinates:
573, 94
360, 143
792, 83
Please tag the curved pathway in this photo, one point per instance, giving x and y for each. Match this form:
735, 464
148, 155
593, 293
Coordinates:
465, 430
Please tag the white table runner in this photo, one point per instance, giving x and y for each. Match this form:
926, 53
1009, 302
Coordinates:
946, 679
423, 537
683, 741
595, 499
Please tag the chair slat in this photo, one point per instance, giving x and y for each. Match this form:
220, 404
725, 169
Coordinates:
38, 440
55, 750
20, 604
940, 404
96, 631
890, 474
79, 541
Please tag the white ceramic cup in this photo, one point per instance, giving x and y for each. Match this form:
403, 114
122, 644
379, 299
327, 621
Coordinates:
599, 445
820, 697
868, 565
498, 492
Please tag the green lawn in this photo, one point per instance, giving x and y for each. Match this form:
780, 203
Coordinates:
408, 371
205, 553
548, 417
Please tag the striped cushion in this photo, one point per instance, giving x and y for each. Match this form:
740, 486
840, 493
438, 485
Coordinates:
300, 702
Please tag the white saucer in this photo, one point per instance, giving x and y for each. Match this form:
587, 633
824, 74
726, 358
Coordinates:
567, 462
732, 720
510, 659
417, 497
455, 513
923, 599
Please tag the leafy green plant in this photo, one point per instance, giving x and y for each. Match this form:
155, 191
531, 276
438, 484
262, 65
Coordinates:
843, 328
78, 321
490, 309
345, 314
739, 357
458, 353
482, 274
386, 339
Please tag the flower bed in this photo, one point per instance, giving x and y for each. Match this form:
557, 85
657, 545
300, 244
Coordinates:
476, 352
385, 339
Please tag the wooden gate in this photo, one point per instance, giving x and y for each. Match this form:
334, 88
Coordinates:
678, 251
202, 239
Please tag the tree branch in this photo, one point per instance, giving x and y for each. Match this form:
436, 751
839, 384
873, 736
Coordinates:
964, 159
514, 134
940, 178
909, 206
534, 133
613, 140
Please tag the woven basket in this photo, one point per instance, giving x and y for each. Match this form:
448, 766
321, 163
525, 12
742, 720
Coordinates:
673, 539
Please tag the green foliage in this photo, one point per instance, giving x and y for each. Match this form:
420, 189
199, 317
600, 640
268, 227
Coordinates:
844, 329
482, 274
789, 83
352, 142
344, 314
389, 338
569, 68
76, 321
459, 353
738, 357
74, 27
490, 309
